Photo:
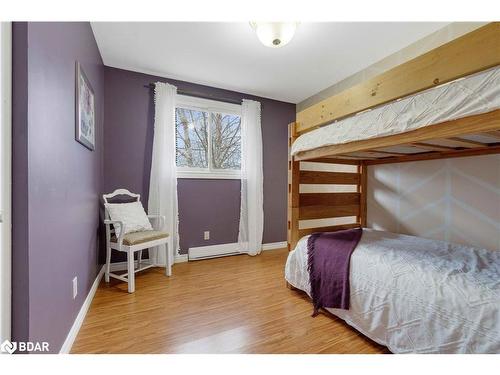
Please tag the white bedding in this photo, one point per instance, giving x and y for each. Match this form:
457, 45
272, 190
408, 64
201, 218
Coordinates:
417, 295
475, 94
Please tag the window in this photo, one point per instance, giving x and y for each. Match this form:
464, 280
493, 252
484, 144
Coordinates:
208, 138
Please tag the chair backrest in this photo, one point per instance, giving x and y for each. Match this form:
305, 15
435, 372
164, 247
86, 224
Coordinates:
106, 197
121, 192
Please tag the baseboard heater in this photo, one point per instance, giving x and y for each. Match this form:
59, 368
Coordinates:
213, 251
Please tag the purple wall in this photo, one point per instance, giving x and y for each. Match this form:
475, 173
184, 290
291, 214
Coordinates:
20, 223
63, 179
212, 205
57, 182
203, 204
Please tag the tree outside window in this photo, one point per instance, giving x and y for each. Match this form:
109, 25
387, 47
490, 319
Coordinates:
207, 140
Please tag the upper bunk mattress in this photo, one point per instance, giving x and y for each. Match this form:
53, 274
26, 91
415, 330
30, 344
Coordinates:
472, 95
417, 295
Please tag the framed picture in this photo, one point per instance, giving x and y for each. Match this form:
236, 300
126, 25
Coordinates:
85, 110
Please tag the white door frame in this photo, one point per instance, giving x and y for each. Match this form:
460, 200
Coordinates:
6, 179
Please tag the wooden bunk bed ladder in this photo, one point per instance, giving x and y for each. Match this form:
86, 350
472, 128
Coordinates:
312, 206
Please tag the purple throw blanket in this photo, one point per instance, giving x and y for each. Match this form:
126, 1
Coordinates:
329, 255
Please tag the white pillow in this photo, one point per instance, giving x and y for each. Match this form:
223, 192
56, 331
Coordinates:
132, 215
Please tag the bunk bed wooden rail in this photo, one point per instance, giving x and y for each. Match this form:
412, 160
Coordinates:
469, 54
443, 140
314, 206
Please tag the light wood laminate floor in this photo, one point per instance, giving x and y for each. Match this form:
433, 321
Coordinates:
237, 304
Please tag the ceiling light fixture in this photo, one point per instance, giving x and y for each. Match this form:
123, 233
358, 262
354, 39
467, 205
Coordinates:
274, 34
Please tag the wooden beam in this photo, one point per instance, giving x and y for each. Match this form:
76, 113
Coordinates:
363, 191
438, 155
332, 228
357, 156
324, 212
354, 157
481, 123
334, 161
330, 178
431, 147
328, 199
494, 134
456, 142
388, 153
293, 192
471, 53
370, 154
467, 142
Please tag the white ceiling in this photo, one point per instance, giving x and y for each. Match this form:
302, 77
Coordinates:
229, 55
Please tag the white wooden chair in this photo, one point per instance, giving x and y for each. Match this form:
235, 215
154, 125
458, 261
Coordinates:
134, 242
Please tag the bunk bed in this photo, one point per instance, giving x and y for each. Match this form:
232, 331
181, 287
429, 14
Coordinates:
443, 104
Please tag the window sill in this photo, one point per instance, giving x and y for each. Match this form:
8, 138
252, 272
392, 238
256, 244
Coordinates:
209, 175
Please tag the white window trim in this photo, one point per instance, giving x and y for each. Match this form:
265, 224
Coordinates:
205, 174
208, 105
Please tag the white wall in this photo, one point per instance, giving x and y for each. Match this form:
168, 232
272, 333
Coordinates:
434, 40
455, 200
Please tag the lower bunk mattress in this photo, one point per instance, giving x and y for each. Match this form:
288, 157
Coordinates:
417, 295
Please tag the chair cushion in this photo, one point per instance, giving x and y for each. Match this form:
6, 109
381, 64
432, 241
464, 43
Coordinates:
136, 238
132, 215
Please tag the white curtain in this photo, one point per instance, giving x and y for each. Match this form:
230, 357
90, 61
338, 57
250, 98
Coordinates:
252, 197
163, 180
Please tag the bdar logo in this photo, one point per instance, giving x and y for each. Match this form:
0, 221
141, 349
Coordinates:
8, 347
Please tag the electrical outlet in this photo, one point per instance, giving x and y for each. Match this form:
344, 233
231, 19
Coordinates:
206, 235
75, 287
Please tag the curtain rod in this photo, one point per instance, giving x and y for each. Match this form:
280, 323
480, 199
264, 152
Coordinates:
200, 95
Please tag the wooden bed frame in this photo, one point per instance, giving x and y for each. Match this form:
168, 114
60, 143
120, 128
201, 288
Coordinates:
471, 53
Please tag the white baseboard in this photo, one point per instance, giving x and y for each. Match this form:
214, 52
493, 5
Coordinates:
274, 245
204, 252
75, 328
